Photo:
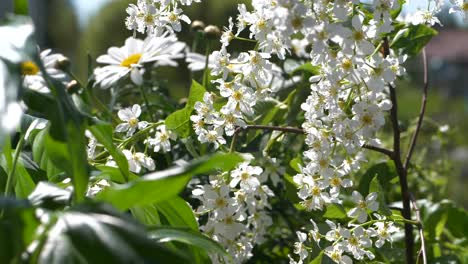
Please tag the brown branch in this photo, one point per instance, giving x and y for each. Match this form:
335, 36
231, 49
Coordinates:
384, 151
421, 113
422, 251
401, 170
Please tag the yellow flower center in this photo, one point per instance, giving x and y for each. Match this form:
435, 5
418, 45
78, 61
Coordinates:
465, 7
358, 35
335, 181
29, 68
133, 122
362, 205
130, 60
245, 176
297, 22
347, 64
237, 96
366, 119
164, 136
220, 202
172, 17
316, 191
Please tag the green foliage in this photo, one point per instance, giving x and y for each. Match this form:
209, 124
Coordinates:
162, 185
103, 133
179, 121
412, 39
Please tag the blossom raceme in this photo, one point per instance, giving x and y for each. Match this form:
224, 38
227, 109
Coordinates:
131, 59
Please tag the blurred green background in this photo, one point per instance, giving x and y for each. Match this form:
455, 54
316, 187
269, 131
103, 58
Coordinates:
81, 27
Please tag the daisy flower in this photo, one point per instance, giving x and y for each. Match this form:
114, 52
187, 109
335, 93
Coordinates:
32, 75
132, 57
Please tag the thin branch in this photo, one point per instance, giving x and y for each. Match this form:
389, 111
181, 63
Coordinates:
384, 151
421, 113
422, 251
402, 172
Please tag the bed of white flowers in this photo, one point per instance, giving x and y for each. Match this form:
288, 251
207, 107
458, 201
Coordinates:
279, 153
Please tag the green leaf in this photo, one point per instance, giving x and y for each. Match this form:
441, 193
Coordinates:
177, 213
376, 186
318, 259
103, 133
296, 164
113, 174
71, 158
93, 233
413, 39
308, 68
187, 236
179, 121
395, 13
335, 211
47, 195
162, 185
384, 171
147, 215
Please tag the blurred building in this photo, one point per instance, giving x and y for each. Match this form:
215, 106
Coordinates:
448, 56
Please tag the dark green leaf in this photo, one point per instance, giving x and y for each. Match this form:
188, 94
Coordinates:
384, 172
187, 236
411, 40
159, 186
47, 195
177, 213
98, 234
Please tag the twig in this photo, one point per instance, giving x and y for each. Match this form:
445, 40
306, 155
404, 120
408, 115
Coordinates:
384, 151
421, 113
422, 251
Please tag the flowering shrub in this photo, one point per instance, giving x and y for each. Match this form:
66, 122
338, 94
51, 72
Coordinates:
155, 181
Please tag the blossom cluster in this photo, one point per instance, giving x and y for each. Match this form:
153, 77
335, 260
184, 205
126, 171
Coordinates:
345, 108
236, 205
157, 16
354, 240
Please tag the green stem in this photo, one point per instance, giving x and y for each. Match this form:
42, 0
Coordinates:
145, 98
207, 60
10, 176
246, 39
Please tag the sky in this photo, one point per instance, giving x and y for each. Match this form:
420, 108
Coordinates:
87, 8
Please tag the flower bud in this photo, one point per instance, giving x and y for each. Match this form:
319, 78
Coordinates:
197, 25
73, 87
212, 32
62, 63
